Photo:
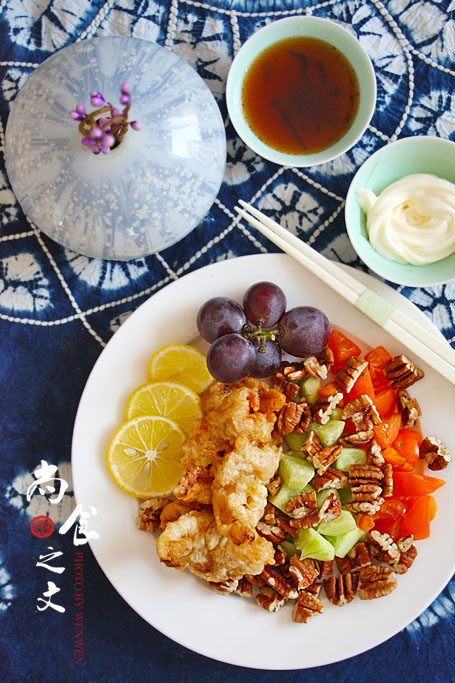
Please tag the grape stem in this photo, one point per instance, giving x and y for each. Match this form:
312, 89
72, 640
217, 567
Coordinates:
258, 336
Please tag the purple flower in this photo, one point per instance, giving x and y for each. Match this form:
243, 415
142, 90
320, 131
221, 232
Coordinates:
125, 88
124, 99
75, 115
135, 125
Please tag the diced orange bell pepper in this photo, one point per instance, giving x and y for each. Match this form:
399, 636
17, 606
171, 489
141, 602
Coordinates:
328, 389
412, 484
389, 525
386, 432
377, 358
433, 508
417, 519
342, 348
385, 402
407, 444
366, 522
391, 507
363, 385
397, 461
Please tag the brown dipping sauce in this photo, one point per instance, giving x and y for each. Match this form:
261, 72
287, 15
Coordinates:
300, 95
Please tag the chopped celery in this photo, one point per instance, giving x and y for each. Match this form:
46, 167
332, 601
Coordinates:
310, 387
342, 544
311, 544
328, 433
325, 493
295, 472
295, 441
342, 524
348, 457
285, 494
289, 548
345, 495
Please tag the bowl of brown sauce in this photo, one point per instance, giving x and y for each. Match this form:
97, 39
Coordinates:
301, 91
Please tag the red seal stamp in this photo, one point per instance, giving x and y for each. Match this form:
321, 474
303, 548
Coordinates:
42, 526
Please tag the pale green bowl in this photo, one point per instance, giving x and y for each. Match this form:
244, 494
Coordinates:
419, 154
311, 27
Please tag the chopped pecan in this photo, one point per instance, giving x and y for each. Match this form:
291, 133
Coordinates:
288, 418
323, 408
435, 453
269, 514
274, 485
362, 412
382, 547
326, 358
365, 482
315, 368
279, 557
323, 458
375, 582
279, 584
305, 572
269, 600
314, 589
407, 556
312, 444
326, 569
409, 409
347, 376
387, 490
274, 534
340, 590
224, 587
303, 509
244, 588
306, 417
283, 522
287, 374
364, 507
374, 454
331, 479
402, 372
357, 439
330, 508
356, 558
149, 513
255, 580
306, 606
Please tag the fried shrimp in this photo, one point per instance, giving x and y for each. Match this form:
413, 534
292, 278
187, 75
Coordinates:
239, 494
194, 542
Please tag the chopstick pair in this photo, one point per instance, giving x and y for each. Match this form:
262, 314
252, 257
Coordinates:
422, 342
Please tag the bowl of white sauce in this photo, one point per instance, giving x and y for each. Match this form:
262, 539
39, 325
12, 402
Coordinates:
400, 211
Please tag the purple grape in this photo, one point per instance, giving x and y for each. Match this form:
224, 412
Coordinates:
219, 316
304, 331
267, 363
230, 358
264, 303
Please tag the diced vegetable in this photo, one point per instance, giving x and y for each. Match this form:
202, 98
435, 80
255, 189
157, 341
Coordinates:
342, 544
342, 348
341, 525
391, 507
407, 444
295, 472
328, 433
417, 519
312, 544
285, 494
385, 402
289, 548
329, 389
295, 441
412, 484
336, 414
366, 522
310, 387
363, 385
348, 457
389, 525
377, 358
325, 493
397, 461
386, 432
345, 495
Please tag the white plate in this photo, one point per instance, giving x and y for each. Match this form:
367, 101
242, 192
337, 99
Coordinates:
229, 628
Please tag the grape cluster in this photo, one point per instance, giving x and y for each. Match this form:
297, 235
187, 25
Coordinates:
249, 339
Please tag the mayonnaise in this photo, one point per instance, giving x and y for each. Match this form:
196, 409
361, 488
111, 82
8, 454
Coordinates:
412, 220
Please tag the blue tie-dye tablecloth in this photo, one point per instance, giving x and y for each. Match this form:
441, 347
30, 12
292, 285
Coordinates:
58, 309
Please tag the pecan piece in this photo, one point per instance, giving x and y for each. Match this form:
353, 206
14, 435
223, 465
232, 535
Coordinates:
331, 479
269, 600
409, 409
356, 558
149, 513
382, 547
306, 606
326, 569
283, 522
279, 557
387, 490
374, 454
314, 589
244, 588
347, 376
323, 458
224, 587
304, 572
312, 444
340, 590
286, 376
435, 453
255, 580
323, 408
293, 417
362, 412
365, 482
274, 533
330, 508
375, 582
357, 439
408, 553
303, 509
315, 368
402, 372
306, 417
274, 485
279, 584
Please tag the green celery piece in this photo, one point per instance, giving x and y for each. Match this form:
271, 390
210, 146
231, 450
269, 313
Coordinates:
348, 457
323, 494
285, 494
310, 387
342, 544
345, 495
328, 433
311, 544
336, 414
289, 548
341, 525
295, 472
295, 441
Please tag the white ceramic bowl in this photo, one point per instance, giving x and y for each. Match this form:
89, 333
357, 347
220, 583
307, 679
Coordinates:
309, 27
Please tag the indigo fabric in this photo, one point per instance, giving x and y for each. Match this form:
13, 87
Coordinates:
58, 309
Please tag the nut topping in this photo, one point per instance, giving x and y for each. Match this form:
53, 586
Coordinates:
312, 444
382, 547
323, 458
293, 417
330, 508
387, 490
326, 569
331, 479
375, 582
408, 553
304, 572
315, 368
340, 590
303, 510
274, 485
346, 377
366, 488
306, 606
374, 454
270, 600
224, 587
279, 584
356, 558
357, 439
435, 453
402, 372
323, 408
244, 588
409, 409
362, 412
274, 534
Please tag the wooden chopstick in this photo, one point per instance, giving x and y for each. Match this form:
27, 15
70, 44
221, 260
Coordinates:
414, 336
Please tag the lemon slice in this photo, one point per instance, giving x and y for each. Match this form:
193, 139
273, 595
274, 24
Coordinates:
168, 399
144, 456
180, 363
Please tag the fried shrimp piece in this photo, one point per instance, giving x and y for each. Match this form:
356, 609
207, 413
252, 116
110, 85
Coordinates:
239, 494
231, 411
175, 509
194, 541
